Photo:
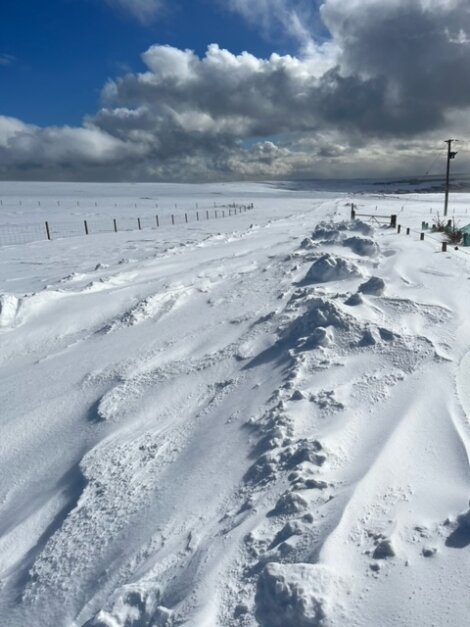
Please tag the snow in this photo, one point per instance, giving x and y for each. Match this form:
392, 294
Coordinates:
261, 420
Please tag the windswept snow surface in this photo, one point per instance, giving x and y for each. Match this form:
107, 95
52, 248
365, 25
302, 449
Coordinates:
260, 421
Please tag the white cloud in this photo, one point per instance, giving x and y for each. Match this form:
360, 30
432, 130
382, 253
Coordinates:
28, 145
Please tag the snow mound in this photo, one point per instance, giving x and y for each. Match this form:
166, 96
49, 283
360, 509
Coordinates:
375, 286
326, 231
333, 231
460, 536
384, 550
150, 308
359, 225
135, 606
289, 504
308, 243
303, 451
464, 520
331, 268
8, 309
322, 337
290, 529
354, 300
294, 595
362, 246
370, 337
321, 313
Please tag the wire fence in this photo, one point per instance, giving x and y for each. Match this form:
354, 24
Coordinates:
56, 229
425, 233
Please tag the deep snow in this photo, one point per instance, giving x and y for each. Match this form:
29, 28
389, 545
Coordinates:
255, 421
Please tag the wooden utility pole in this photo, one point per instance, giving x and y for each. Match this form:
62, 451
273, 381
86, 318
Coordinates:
450, 155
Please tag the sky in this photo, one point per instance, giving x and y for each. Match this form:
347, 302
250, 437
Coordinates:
209, 90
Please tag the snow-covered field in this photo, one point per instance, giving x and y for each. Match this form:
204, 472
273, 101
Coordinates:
257, 421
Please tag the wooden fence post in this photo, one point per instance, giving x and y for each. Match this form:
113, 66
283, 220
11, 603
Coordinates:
48, 233
115, 225
86, 227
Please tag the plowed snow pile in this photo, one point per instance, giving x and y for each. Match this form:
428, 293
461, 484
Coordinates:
261, 421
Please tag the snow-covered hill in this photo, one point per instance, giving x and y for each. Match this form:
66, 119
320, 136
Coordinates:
255, 421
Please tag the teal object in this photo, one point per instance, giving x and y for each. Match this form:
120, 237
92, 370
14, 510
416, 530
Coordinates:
466, 235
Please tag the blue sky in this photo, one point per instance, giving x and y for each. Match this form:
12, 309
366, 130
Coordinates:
64, 50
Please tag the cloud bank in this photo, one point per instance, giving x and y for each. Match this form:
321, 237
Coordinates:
375, 97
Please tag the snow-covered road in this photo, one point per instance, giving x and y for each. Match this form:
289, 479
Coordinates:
261, 425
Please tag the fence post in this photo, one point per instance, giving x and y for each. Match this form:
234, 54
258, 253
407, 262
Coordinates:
197, 215
408, 231
399, 228
138, 222
48, 233
444, 247
186, 217
157, 221
172, 219
353, 211
393, 221
421, 237
207, 214
115, 225
86, 227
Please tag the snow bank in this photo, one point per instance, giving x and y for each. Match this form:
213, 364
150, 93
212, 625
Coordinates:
135, 606
319, 313
328, 267
374, 286
363, 246
331, 232
294, 595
